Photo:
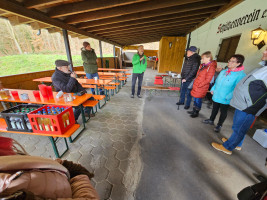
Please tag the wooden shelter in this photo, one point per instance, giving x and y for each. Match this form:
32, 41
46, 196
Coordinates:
120, 23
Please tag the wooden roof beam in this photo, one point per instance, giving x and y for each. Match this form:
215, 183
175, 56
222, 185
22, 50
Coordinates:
16, 20
54, 30
39, 3
160, 31
154, 19
2, 12
155, 27
151, 24
172, 32
169, 32
87, 6
128, 9
38, 25
183, 9
17, 9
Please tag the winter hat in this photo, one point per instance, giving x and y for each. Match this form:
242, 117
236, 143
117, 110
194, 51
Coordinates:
192, 48
85, 44
60, 63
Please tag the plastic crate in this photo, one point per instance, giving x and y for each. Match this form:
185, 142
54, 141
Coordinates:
52, 124
21, 125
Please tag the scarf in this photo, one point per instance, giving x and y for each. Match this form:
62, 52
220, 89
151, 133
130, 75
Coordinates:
141, 56
238, 69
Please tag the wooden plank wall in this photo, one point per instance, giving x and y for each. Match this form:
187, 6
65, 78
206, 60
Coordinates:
171, 59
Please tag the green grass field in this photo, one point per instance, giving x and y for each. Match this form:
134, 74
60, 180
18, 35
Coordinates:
19, 64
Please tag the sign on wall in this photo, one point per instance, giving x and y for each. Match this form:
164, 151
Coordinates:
254, 16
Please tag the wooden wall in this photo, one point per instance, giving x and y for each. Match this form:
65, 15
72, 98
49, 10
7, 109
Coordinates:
171, 59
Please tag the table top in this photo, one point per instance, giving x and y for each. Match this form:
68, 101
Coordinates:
68, 133
114, 70
76, 102
100, 73
80, 80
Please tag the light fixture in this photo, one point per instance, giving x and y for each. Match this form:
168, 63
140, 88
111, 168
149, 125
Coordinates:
255, 34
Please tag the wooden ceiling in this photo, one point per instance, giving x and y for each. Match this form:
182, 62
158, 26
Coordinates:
119, 22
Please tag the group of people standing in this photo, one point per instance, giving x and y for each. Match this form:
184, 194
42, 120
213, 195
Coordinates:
230, 86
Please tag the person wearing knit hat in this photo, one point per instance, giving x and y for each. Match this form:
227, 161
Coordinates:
90, 63
64, 80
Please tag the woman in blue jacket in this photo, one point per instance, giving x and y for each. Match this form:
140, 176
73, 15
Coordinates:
223, 89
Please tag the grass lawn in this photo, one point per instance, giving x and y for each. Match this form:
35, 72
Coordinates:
18, 64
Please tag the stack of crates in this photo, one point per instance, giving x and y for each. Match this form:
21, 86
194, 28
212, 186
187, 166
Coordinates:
16, 117
52, 119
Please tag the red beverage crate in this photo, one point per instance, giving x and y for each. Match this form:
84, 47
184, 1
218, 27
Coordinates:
52, 124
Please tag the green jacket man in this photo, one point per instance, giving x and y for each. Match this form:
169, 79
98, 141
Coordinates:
89, 59
139, 62
90, 63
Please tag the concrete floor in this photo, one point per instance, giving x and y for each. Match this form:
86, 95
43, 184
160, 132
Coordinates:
179, 162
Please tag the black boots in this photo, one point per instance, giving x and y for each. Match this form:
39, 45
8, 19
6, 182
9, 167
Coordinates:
194, 112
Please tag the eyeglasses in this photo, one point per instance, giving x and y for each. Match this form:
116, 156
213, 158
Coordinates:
230, 61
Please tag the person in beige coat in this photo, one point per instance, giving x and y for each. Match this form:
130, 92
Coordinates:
33, 177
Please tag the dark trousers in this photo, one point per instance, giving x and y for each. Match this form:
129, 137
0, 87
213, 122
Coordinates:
187, 92
77, 110
215, 109
140, 80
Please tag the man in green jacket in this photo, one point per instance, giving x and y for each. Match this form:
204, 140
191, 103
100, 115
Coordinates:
90, 63
139, 62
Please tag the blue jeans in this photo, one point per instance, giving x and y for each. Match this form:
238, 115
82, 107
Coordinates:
241, 124
140, 80
198, 103
91, 76
187, 92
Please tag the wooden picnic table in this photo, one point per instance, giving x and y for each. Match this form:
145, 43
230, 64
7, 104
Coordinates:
102, 73
114, 70
78, 101
80, 80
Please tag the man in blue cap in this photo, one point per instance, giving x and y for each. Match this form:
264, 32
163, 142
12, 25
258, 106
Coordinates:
189, 71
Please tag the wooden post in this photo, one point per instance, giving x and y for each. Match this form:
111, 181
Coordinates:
67, 46
114, 55
101, 53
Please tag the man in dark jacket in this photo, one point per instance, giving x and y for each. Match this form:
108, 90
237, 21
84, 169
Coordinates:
64, 80
189, 71
249, 100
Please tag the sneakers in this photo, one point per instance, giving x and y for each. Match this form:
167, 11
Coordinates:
132, 96
208, 121
221, 148
217, 129
139, 96
237, 148
190, 112
186, 107
179, 103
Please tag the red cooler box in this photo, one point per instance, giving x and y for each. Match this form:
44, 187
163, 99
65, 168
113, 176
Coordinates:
56, 123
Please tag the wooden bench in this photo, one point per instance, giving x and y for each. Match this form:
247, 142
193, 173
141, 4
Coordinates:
117, 85
53, 138
159, 88
92, 104
107, 91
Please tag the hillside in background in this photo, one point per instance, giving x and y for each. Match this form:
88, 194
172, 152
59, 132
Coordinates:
22, 50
